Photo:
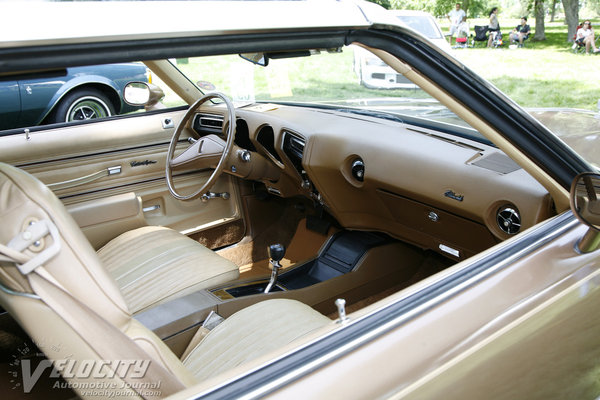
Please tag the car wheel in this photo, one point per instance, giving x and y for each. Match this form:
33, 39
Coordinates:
83, 104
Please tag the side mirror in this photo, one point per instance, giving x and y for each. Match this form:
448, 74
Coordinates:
585, 204
142, 94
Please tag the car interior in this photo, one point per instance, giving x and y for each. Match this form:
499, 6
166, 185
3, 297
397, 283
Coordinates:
212, 237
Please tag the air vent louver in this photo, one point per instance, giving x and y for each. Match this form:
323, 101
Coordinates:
509, 220
213, 122
208, 123
498, 162
293, 147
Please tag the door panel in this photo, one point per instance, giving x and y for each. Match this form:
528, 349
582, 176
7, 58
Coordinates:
105, 218
110, 174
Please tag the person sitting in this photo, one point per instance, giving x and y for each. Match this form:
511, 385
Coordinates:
462, 33
521, 32
585, 37
455, 16
493, 27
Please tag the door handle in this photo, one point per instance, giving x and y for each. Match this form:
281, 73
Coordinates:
82, 180
210, 195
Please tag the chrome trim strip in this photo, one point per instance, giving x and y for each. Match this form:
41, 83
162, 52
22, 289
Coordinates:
82, 180
151, 208
259, 381
15, 293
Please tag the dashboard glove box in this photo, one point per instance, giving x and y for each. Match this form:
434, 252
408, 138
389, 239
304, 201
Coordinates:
431, 227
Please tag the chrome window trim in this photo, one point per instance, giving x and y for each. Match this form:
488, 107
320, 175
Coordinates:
404, 309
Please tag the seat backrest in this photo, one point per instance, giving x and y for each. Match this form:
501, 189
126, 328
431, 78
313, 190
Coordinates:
480, 32
23, 200
77, 269
576, 29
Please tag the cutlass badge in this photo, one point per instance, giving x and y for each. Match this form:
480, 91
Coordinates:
452, 195
141, 163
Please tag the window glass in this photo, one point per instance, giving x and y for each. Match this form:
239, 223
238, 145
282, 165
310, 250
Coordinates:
422, 24
351, 79
71, 94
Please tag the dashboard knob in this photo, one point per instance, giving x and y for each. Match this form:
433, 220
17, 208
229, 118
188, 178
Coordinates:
433, 216
358, 170
245, 155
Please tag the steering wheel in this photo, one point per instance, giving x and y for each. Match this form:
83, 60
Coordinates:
209, 151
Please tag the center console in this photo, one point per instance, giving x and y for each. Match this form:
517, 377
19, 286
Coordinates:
350, 264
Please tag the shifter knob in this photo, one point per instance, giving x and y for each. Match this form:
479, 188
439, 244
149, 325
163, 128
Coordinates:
276, 252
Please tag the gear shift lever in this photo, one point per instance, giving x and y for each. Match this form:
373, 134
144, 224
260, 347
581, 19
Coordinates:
276, 253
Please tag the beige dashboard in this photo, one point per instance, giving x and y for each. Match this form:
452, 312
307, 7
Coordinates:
429, 188
435, 190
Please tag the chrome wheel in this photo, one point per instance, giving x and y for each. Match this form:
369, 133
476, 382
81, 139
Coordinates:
89, 107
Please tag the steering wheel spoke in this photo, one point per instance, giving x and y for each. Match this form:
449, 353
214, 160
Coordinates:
207, 152
204, 153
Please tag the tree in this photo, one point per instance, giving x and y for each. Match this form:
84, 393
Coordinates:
571, 8
553, 10
540, 14
443, 7
384, 3
540, 27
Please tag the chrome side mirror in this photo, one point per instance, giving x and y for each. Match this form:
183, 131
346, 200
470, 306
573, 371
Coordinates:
142, 94
585, 204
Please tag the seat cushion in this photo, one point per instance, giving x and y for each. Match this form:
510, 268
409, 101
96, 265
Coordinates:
250, 333
154, 264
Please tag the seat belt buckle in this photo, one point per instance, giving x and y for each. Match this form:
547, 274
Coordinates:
212, 321
32, 234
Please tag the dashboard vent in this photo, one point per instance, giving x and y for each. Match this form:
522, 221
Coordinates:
509, 220
498, 162
293, 147
207, 123
211, 121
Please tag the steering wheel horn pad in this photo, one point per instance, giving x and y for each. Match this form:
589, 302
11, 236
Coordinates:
205, 153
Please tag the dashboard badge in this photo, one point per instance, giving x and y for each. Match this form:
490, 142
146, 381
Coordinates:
452, 195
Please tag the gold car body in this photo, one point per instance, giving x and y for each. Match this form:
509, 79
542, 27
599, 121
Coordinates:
514, 317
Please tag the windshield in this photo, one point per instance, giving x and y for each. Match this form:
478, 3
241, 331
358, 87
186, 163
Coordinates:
352, 79
422, 24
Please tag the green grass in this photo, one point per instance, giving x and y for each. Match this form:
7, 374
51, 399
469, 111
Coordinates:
317, 78
543, 74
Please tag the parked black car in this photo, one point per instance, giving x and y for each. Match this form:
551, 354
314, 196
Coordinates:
66, 95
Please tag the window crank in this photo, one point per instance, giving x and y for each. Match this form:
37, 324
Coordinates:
210, 195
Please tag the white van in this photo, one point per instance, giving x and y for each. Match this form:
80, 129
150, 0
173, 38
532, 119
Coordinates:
373, 73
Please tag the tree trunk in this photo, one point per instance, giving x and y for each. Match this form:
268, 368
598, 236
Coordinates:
572, 17
553, 12
540, 27
465, 6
